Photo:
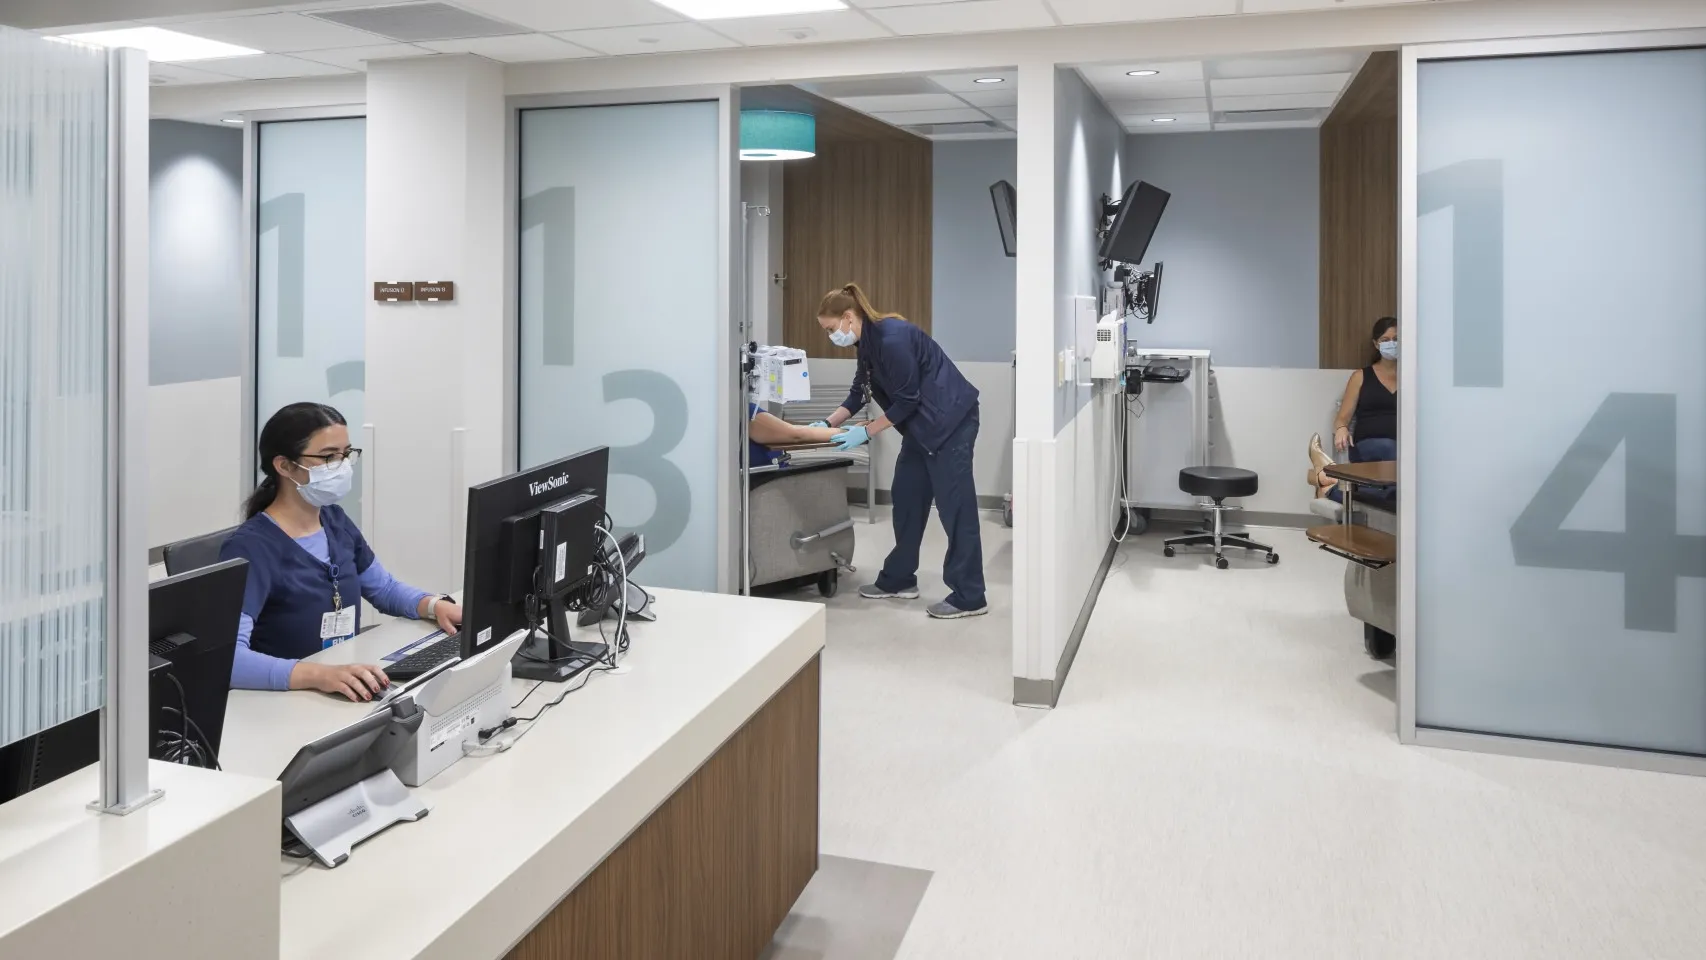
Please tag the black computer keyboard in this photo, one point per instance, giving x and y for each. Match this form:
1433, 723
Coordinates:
424, 660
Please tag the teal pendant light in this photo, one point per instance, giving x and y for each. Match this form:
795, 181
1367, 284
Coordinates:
777, 135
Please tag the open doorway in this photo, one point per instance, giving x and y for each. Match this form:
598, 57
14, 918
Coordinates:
898, 199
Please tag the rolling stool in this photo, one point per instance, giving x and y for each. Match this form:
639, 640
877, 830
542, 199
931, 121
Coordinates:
1218, 483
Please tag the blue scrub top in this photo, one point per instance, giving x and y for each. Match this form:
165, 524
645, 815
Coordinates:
760, 455
288, 589
921, 391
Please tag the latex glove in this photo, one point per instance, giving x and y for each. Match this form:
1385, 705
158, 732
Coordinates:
853, 437
819, 424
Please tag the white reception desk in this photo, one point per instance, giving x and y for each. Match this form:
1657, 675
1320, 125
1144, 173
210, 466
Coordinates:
669, 810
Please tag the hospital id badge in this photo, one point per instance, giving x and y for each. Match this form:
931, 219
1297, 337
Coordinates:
336, 626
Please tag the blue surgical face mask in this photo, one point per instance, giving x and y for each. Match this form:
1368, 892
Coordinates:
842, 338
327, 483
1388, 349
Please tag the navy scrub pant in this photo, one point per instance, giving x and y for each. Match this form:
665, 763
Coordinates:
946, 477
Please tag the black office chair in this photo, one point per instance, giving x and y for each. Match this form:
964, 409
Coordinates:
196, 552
1218, 483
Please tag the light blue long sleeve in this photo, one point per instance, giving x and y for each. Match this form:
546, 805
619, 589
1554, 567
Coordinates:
253, 670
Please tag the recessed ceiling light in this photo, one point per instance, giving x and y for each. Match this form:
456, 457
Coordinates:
725, 9
990, 80
163, 46
1162, 119
1142, 73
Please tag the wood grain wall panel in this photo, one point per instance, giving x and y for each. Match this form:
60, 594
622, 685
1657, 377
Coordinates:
858, 212
1359, 213
714, 871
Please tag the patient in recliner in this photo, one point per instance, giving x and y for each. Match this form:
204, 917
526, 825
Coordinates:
1366, 427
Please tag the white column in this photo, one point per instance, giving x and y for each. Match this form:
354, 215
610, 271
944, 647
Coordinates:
435, 211
1034, 381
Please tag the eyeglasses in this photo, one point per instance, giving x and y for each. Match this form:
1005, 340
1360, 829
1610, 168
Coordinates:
353, 455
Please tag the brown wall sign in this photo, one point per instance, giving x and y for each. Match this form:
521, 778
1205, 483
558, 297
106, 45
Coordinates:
434, 291
393, 291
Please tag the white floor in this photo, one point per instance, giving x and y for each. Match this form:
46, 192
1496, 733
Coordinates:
1221, 779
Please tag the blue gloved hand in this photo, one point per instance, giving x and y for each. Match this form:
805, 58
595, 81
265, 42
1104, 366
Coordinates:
819, 424
853, 437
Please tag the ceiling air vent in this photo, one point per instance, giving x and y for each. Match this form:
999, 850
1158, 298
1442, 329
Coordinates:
412, 22
1233, 117
944, 129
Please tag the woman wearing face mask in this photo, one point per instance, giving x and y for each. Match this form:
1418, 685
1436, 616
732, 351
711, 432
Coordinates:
1367, 424
932, 405
309, 567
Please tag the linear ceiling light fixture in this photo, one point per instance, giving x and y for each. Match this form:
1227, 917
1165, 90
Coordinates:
990, 80
1163, 119
726, 9
163, 46
777, 135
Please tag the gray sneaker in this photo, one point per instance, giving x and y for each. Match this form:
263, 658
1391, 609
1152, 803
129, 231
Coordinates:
871, 591
947, 611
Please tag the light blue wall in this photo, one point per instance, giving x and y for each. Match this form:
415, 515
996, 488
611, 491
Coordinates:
1241, 239
974, 282
195, 249
1090, 145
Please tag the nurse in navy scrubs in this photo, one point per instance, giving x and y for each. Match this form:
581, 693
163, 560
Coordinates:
309, 566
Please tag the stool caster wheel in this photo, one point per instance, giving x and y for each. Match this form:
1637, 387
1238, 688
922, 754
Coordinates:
1221, 562
1166, 551
1273, 558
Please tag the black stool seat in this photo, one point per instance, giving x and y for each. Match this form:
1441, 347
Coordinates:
1218, 483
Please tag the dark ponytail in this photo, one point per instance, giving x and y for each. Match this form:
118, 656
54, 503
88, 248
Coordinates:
286, 435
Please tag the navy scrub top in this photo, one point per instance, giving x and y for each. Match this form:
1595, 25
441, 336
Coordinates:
288, 589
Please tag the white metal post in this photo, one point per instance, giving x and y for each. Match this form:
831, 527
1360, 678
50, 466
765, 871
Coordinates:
124, 717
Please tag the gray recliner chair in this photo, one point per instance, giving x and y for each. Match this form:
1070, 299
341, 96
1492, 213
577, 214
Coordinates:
801, 525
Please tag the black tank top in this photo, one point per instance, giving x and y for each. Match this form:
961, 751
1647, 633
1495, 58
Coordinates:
1377, 410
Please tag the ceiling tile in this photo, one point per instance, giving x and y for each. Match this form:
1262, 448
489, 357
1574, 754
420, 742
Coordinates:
1171, 90
870, 87
1116, 11
90, 27
659, 38
1127, 108
822, 27
1280, 6
551, 16
523, 48
912, 101
878, 4
991, 98
268, 66
279, 32
1004, 114
966, 16
356, 58
1255, 86
1281, 101
968, 82
177, 75
1285, 66
1224, 127
911, 117
1149, 119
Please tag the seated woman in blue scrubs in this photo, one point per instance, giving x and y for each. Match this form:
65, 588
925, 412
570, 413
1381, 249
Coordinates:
309, 566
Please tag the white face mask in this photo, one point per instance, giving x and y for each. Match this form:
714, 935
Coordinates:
327, 483
1388, 349
842, 338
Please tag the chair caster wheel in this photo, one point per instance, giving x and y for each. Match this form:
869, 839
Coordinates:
829, 584
1221, 562
1273, 558
1166, 551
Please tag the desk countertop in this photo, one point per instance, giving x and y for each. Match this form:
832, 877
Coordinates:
510, 834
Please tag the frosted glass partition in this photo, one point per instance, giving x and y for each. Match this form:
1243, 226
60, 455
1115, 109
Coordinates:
53, 381
1556, 366
310, 283
619, 315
